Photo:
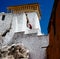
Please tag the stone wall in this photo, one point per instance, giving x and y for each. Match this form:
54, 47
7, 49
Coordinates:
35, 44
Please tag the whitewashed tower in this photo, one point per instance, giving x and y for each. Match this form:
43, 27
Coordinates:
27, 18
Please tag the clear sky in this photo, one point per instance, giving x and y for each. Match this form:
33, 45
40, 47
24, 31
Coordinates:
45, 7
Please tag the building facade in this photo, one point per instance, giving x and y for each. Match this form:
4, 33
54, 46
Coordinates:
22, 26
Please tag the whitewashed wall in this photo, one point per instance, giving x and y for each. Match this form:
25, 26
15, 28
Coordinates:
34, 43
4, 25
21, 20
29, 38
19, 23
34, 21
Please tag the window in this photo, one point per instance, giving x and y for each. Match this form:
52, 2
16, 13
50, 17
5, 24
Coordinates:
3, 17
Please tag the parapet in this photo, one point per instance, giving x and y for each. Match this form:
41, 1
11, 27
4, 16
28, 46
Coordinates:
25, 8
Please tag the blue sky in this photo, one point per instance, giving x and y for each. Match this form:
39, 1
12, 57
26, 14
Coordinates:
45, 7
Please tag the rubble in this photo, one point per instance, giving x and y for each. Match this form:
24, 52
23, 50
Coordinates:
14, 52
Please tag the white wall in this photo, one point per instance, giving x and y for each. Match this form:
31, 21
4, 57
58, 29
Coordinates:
34, 21
15, 35
4, 25
33, 43
18, 22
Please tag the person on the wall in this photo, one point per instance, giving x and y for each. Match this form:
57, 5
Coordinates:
28, 23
